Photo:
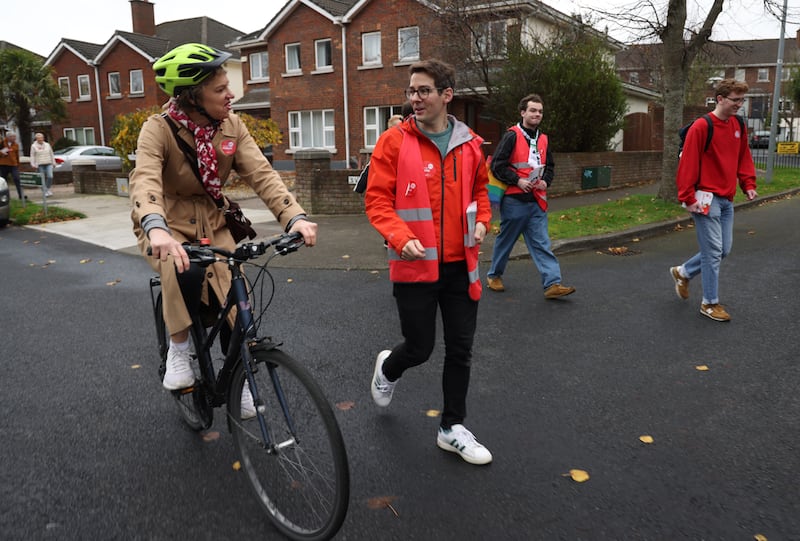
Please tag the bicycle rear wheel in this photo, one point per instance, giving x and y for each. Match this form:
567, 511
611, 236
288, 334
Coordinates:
301, 478
192, 402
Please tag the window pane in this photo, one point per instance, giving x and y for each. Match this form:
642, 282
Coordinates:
113, 84
137, 83
408, 43
83, 86
324, 53
63, 84
371, 45
259, 66
293, 57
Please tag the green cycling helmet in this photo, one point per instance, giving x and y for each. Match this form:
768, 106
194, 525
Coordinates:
186, 66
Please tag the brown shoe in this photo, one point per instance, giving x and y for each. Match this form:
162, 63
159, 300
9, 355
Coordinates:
715, 312
495, 283
557, 290
681, 283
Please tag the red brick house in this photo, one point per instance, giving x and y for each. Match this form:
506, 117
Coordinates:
101, 81
331, 72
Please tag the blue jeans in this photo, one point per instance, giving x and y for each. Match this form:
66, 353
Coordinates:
529, 220
46, 170
715, 237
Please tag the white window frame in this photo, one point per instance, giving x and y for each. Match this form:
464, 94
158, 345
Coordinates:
111, 76
492, 40
633, 77
763, 75
711, 101
292, 52
408, 44
84, 136
786, 73
63, 84
259, 66
84, 88
136, 82
312, 129
369, 42
319, 54
375, 119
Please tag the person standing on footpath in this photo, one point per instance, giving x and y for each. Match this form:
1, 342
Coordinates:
714, 170
524, 162
9, 161
426, 177
42, 159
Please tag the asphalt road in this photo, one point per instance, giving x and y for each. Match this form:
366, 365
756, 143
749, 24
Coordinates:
94, 449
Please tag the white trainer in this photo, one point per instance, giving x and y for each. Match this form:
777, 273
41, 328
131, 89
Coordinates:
460, 440
247, 410
179, 374
381, 387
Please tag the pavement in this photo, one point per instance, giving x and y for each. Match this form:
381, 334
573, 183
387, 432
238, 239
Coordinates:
345, 241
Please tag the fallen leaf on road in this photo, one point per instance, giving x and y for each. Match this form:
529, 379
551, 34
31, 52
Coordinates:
84, 261
210, 436
579, 476
113, 282
289, 280
346, 405
751, 232
433, 413
237, 466
382, 502
646, 439
701, 368
760, 537
345, 256
136, 366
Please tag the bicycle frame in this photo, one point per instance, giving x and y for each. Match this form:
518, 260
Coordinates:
244, 335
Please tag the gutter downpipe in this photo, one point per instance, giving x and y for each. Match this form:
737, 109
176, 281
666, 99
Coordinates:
99, 104
346, 97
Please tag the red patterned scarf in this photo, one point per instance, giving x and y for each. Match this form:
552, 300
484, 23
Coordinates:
206, 154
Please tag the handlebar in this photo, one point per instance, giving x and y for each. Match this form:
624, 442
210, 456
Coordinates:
201, 255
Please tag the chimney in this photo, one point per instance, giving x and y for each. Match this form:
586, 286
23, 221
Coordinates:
143, 17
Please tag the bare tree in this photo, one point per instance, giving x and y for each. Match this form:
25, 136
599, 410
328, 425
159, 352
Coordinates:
681, 42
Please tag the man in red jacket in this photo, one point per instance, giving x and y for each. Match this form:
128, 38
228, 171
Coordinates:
426, 195
707, 180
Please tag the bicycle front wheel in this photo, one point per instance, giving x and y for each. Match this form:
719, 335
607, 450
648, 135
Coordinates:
300, 476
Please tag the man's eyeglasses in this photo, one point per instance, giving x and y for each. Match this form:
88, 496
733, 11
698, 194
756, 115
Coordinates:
423, 92
735, 100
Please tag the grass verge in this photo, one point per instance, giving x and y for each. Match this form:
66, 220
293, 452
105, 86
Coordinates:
33, 213
638, 210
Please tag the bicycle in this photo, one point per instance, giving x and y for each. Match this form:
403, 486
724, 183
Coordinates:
292, 449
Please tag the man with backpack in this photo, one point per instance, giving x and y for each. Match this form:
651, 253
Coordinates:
708, 172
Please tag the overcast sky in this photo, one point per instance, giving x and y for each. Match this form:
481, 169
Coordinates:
96, 20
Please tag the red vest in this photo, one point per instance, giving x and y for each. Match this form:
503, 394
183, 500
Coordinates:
413, 205
519, 161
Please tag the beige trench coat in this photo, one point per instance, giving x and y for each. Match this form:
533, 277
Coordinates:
163, 183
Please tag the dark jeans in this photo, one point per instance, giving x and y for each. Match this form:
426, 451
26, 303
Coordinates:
191, 284
417, 306
12, 170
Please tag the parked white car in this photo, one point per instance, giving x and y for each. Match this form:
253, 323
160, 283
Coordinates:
5, 203
105, 158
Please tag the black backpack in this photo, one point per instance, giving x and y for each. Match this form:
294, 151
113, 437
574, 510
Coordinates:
685, 129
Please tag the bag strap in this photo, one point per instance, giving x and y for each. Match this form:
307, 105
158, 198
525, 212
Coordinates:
191, 156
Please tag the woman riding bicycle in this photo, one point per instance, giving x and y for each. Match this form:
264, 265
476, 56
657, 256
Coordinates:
177, 197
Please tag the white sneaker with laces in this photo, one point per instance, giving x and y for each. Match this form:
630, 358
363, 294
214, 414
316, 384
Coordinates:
179, 374
247, 409
460, 440
381, 387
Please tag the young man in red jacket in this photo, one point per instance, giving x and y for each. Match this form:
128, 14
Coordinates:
426, 195
714, 170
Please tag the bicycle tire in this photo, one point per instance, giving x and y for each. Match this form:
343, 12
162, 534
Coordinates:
192, 402
304, 484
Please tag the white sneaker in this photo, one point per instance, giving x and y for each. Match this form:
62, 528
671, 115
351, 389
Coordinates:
381, 387
247, 410
179, 373
460, 440
48, 193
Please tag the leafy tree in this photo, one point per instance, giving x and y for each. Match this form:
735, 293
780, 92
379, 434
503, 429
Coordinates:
125, 132
126, 128
26, 85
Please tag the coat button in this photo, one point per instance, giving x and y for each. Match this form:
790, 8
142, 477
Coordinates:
210, 275
193, 221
